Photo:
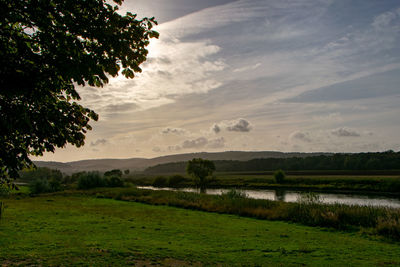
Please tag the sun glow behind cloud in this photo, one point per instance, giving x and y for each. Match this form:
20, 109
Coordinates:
297, 71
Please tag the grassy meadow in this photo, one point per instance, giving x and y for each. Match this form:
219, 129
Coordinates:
72, 229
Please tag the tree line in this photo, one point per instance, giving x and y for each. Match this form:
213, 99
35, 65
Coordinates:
388, 160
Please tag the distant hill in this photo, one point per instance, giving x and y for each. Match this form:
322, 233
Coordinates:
364, 163
140, 164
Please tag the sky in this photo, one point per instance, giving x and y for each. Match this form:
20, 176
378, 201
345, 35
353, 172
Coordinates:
253, 75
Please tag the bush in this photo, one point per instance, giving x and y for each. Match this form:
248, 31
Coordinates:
279, 176
4, 190
114, 181
175, 180
234, 194
55, 185
40, 185
115, 172
75, 177
160, 181
90, 180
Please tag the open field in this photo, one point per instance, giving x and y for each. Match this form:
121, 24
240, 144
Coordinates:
78, 230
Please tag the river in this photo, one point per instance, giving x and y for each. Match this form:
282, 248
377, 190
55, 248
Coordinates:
293, 196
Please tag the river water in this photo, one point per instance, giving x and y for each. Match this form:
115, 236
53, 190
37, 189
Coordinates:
293, 196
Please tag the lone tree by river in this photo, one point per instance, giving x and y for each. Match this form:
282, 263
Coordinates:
200, 170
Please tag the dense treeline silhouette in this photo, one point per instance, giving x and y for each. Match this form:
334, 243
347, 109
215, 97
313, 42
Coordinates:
388, 160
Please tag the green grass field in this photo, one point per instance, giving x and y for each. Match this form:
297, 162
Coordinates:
77, 230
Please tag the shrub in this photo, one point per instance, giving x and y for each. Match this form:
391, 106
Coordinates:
234, 194
40, 185
90, 180
4, 190
175, 180
279, 176
114, 181
160, 181
115, 172
55, 185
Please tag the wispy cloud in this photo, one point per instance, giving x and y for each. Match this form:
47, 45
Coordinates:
345, 132
99, 142
301, 136
217, 143
156, 149
170, 130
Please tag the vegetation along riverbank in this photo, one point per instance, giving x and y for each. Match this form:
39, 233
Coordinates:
383, 184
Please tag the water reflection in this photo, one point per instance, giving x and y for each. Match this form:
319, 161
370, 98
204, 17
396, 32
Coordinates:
280, 195
293, 196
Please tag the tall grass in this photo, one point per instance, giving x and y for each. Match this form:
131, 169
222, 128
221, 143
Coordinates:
309, 210
1, 209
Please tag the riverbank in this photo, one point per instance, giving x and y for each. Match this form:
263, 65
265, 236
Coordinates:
293, 196
384, 185
70, 228
339, 183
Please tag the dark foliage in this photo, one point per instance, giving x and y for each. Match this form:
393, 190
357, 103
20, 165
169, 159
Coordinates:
114, 181
114, 172
388, 160
160, 181
44, 185
40, 173
175, 180
279, 176
45, 48
200, 169
1, 209
89, 180
4, 191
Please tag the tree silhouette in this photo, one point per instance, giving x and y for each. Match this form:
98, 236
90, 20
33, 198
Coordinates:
46, 47
200, 169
